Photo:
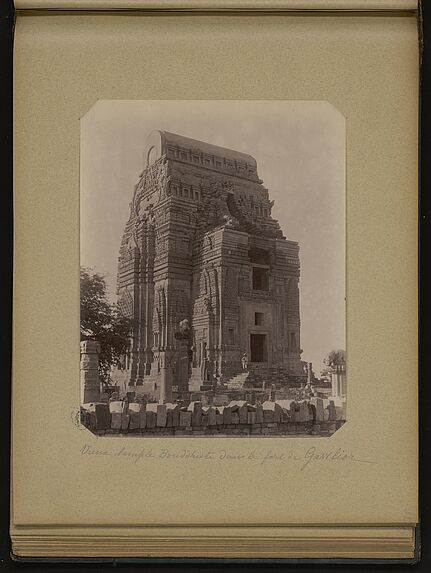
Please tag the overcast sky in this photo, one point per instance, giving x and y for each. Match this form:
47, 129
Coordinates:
300, 151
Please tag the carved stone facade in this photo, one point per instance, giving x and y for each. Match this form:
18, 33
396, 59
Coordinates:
201, 246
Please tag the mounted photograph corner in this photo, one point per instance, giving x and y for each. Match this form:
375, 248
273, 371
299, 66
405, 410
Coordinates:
213, 269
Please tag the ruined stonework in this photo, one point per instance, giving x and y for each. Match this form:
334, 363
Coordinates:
89, 371
206, 273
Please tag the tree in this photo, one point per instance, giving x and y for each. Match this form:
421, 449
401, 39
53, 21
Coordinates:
103, 321
335, 357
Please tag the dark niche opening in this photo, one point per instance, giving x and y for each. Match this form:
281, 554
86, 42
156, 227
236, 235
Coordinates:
259, 256
260, 278
258, 348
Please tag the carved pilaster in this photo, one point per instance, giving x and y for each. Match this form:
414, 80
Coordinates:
89, 372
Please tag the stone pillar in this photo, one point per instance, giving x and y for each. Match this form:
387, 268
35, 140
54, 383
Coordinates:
89, 371
309, 372
166, 379
338, 378
183, 355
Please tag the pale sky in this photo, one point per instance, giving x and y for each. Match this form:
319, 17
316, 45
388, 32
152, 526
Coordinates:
299, 147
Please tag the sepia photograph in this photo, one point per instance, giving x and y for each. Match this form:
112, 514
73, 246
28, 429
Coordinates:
213, 269
215, 283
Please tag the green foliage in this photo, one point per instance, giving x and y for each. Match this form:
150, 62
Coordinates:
103, 322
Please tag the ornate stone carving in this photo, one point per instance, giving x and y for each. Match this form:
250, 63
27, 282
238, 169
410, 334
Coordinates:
195, 213
153, 182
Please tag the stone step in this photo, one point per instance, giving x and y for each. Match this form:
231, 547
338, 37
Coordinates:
238, 381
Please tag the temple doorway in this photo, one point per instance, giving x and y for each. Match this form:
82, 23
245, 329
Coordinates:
258, 349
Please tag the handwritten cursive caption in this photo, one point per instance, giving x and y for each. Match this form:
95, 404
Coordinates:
312, 456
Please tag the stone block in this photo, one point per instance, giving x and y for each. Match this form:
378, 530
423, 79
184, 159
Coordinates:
176, 416
212, 417
92, 420
268, 416
151, 418
135, 422
116, 407
277, 413
227, 415
196, 413
304, 414
339, 412
332, 410
312, 411
185, 419
259, 414
275, 410
161, 416
102, 417
235, 405
242, 413
169, 419
116, 420
125, 420
332, 427
318, 402
85, 418
293, 412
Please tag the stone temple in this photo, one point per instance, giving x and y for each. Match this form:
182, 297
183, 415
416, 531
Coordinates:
207, 274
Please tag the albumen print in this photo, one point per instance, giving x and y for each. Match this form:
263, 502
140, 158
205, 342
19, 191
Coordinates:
213, 268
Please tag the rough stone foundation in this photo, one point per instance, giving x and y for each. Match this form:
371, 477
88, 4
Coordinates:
316, 417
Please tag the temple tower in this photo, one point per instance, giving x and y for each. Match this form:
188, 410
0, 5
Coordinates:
201, 246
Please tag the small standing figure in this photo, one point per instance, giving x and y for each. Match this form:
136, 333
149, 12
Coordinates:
244, 361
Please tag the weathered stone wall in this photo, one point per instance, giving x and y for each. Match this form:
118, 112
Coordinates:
239, 418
